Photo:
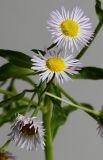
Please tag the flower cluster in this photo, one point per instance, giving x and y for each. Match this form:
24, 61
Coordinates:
69, 31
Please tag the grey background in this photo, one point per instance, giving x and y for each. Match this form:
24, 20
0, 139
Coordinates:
23, 27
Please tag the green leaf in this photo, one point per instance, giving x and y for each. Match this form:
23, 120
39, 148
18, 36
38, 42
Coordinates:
17, 58
10, 115
37, 51
59, 117
90, 107
99, 10
12, 71
6, 102
52, 46
93, 73
54, 90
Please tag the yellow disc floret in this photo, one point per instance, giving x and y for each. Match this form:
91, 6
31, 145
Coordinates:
69, 28
55, 64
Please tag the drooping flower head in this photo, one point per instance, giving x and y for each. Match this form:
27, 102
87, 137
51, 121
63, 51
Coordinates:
55, 64
70, 30
6, 156
27, 133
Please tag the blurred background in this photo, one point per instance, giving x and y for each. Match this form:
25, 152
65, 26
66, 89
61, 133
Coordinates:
23, 27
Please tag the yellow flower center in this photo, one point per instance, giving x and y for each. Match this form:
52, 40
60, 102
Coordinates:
55, 64
69, 28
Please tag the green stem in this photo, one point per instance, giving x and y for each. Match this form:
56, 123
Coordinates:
96, 113
99, 26
30, 102
66, 94
48, 134
3, 148
7, 92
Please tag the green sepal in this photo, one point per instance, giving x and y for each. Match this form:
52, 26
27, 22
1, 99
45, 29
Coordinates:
38, 51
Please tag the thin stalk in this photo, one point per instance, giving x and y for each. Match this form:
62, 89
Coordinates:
48, 134
7, 92
99, 26
96, 113
30, 102
3, 148
66, 94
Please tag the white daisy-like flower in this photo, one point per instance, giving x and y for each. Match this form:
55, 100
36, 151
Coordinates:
6, 156
70, 30
27, 133
54, 65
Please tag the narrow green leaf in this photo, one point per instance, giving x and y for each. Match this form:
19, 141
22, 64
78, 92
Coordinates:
12, 99
16, 58
12, 71
90, 107
93, 73
10, 115
99, 10
54, 90
59, 117
52, 46
37, 51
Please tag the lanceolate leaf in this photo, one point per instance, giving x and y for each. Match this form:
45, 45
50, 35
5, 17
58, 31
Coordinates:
92, 73
12, 99
59, 117
12, 71
16, 58
10, 115
54, 90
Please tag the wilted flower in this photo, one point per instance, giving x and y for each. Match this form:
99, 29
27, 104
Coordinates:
70, 30
55, 64
6, 156
27, 133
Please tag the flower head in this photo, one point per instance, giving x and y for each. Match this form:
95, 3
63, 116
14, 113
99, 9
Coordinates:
70, 30
6, 156
53, 64
27, 133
